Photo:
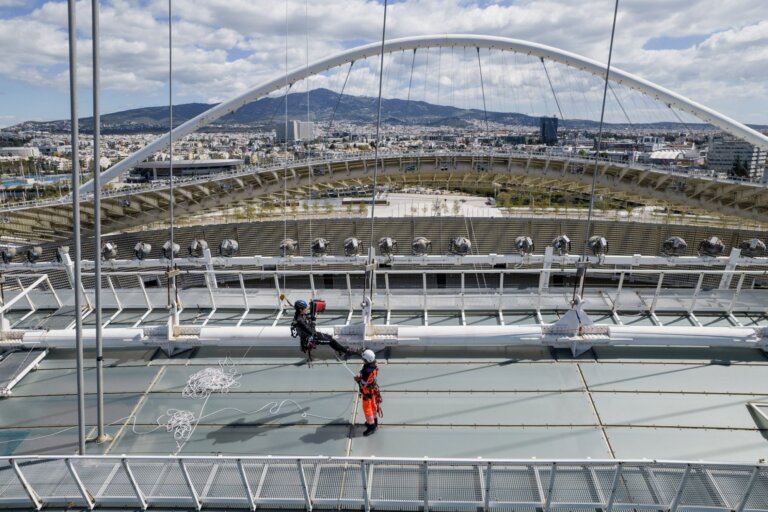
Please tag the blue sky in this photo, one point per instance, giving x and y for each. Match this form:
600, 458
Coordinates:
224, 47
675, 43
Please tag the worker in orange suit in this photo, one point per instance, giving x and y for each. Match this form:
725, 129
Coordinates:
369, 390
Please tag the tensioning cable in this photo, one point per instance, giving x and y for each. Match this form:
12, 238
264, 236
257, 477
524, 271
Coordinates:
552, 88
173, 299
369, 275
285, 144
597, 161
338, 100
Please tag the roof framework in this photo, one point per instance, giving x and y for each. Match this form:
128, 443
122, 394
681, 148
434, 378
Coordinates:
141, 205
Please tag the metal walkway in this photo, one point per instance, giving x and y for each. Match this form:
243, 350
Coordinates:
309, 483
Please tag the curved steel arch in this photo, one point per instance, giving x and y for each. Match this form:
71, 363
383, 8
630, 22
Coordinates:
411, 43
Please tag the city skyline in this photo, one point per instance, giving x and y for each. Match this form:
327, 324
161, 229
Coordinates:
223, 48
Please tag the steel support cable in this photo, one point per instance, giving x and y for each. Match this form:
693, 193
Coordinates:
273, 115
173, 292
568, 74
579, 87
308, 155
100, 434
517, 104
338, 100
487, 134
552, 88
285, 143
597, 162
426, 75
453, 73
439, 70
410, 85
482, 89
618, 101
370, 276
524, 67
505, 90
680, 120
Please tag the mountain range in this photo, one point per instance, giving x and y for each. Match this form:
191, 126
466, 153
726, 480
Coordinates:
325, 105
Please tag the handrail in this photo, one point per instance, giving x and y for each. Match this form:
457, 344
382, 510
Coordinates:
482, 484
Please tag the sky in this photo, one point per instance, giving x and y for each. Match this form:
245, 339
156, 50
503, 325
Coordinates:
712, 51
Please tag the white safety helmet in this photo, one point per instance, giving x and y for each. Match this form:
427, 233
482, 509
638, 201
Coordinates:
368, 356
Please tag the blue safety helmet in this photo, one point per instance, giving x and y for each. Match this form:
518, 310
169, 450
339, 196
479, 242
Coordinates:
300, 304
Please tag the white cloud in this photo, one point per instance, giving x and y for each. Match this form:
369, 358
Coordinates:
223, 47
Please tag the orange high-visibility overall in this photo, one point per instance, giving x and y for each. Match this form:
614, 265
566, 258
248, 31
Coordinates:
369, 390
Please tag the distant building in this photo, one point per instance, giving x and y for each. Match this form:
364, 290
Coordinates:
21, 152
724, 154
150, 171
297, 131
548, 132
649, 143
54, 149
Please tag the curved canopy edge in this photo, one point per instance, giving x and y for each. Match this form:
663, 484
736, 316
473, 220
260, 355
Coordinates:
666, 96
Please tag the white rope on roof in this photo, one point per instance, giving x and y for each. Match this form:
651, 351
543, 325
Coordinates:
212, 380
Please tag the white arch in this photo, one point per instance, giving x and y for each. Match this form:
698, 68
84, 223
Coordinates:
410, 43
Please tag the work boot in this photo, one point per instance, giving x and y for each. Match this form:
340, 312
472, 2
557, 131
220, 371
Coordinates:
370, 428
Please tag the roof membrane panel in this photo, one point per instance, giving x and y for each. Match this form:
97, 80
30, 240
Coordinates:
129, 379
687, 444
677, 378
675, 410
61, 411
484, 408
488, 442
287, 439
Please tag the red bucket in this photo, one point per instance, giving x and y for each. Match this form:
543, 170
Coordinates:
318, 306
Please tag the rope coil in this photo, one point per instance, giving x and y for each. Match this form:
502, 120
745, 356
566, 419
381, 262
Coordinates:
180, 423
212, 380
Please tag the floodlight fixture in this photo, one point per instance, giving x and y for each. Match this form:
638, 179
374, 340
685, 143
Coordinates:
524, 245
351, 246
34, 253
289, 247
712, 246
387, 245
598, 245
228, 247
460, 246
754, 248
61, 253
197, 248
420, 246
7, 254
319, 246
562, 245
141, 250
674, 246
166, 250
109, 251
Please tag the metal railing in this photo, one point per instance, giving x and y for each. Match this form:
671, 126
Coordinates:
349, 483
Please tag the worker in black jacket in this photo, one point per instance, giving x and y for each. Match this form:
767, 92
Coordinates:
303, 327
